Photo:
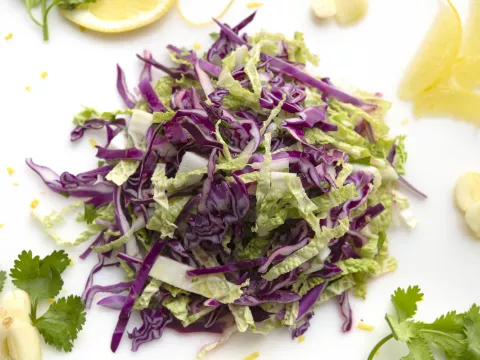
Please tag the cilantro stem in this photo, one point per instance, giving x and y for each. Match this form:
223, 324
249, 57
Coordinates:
44, 17
379, 345
33, 312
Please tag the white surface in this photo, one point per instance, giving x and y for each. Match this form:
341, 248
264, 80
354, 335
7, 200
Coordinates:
439, 255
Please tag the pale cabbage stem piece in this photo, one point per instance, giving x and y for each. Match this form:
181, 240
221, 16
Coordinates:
436, 55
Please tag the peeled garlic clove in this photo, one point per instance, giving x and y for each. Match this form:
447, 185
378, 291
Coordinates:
324, 9
16, 304
23, 340
467, 190
472, 217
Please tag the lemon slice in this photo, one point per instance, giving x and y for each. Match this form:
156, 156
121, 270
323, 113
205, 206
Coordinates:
448, 100
114, 16
200, 13
436, 55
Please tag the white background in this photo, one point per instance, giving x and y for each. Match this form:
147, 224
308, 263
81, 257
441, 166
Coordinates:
439, 255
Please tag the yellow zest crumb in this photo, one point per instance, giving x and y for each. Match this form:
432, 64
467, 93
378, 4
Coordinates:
254, 4
44, 74
34, 203
197, 46
301, 339
15, 184
8, 37
10, 171
28, 88
42, 193
51, 300
82, 29
366, 327
2, 225
377, 353
405, 121
71, 262
92, 142
252, 356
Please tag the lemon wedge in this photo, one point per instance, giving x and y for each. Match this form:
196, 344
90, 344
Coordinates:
448, 100
349, 11
471, 44
114, 16
436, 55
466, 72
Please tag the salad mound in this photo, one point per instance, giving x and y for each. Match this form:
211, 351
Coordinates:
238, 192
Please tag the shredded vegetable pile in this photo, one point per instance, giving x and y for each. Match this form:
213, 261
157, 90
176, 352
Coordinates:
239, 192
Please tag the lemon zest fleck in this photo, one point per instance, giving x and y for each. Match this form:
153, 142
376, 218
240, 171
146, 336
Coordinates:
71, 262
44, 74
8, 37
252, 356
184, 18
2, 225
197, 46
10, 171
28, 88
15, 184
405, 121
254, 4
301, 339
366, 327
51, 300
34, 203
92, 142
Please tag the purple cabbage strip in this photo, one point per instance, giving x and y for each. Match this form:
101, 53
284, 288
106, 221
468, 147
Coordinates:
122, 88
74, 186
135, 290
128, 259
328, 271
150, 96
310, 298
112, 289
98, 240
280, 297
147, 67
114, 302
410, 187
154, 322
295, 72
240, 265
120, 154
363, 220
346, 310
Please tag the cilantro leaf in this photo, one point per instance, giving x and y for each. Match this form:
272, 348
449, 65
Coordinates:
458, 335
39, 278
419, 350
58, 259
472, 331
90, 214
405, 302
3, 278
402, 330
62, 322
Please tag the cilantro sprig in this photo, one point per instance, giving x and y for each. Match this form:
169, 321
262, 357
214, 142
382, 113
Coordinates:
40, 278
46, 6
458, 335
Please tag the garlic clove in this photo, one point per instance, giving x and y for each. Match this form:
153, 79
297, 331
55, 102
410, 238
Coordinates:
23, 340
16, 304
